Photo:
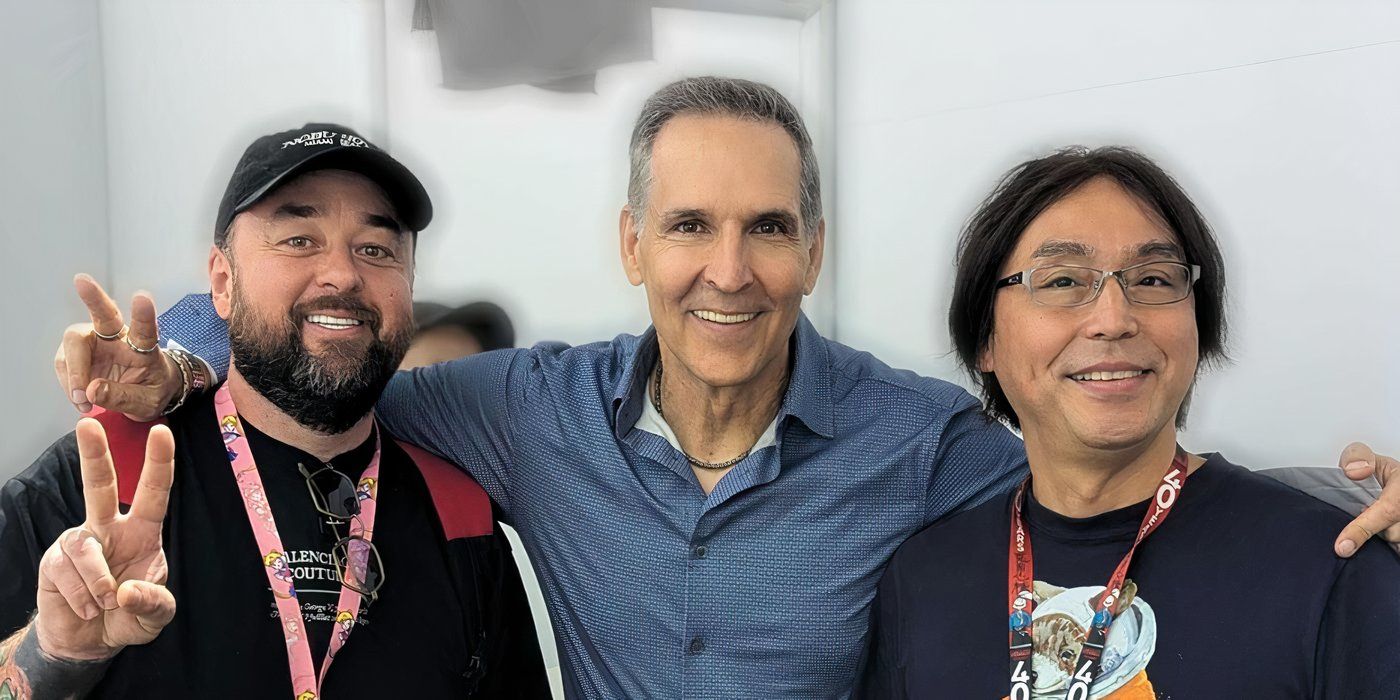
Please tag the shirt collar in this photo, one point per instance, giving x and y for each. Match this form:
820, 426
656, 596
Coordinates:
808, 395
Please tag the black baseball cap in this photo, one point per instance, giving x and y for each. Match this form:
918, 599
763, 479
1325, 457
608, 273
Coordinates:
277, 158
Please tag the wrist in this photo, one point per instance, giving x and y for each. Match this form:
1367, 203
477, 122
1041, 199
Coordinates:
187, 377
176, 380
54, 652
51, 675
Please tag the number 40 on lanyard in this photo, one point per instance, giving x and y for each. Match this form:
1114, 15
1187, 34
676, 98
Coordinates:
1021, 586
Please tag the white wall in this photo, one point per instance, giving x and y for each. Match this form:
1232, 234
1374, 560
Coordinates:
189, 85
53, 207
527, 184
1278, 117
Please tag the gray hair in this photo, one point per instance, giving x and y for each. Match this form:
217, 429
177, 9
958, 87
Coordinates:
731, 97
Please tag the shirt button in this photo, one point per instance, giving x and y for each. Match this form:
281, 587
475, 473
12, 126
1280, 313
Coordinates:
697, 645
700, 551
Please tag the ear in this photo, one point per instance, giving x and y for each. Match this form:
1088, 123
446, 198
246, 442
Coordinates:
984, 358
221, 282
628, 239
815, 254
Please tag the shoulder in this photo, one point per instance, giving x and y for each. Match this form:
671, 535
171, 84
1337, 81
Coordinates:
593, 369
461, 504
858, 375
53, 480
603, 355
1270, 502
1258, 508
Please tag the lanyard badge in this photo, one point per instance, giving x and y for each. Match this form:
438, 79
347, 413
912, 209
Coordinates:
1021, 588
306, 682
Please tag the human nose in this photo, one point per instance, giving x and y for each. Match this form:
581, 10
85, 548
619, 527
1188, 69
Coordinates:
729, 269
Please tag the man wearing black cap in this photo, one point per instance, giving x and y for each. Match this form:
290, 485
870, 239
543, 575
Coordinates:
291, 529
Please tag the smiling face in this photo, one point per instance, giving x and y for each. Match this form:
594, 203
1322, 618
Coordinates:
316, 285
1109, 374
722, 253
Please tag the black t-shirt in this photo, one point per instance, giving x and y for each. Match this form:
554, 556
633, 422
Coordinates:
1238, 595
226, 640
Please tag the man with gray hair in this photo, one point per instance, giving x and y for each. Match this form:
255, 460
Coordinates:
708, 505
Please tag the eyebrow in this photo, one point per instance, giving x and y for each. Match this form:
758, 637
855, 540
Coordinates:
1055, 249
674, 214
385, 222
293, 210
1165, 249
783, 216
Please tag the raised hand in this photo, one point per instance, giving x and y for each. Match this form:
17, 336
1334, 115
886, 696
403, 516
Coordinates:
1380, 518
101, 584
106, 363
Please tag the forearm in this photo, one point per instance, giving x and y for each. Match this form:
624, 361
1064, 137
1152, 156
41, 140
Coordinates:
27, 673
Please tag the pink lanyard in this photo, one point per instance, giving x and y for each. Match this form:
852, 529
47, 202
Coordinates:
306, 684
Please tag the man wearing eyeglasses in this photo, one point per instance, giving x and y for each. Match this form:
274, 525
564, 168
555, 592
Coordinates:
1089, 293
290, 528
708, 505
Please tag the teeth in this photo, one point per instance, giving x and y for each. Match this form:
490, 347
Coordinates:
717, 317
332, 321
1107, 376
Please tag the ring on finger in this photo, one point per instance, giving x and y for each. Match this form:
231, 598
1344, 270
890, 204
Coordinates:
143, 351
121, 332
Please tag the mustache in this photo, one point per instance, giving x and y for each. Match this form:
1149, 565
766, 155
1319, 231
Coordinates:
347, 304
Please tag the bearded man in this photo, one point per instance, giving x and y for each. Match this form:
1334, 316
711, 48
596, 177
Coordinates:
294, 531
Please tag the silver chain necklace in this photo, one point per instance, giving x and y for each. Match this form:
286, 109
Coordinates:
698, 463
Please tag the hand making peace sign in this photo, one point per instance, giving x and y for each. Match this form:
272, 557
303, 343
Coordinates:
101, 583
112, 365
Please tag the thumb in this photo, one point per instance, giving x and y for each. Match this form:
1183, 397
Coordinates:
136, 401
151, 603
1358, 461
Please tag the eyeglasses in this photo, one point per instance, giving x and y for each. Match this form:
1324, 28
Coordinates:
1149, 283
335, 496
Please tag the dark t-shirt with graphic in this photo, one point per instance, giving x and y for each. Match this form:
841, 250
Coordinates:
226, 640
1236, 595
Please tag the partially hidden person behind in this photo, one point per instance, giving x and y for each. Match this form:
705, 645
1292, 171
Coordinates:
448, 333
1090, 293
289, 526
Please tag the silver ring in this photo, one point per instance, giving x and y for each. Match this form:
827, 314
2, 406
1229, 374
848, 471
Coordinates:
143, 351
113, 336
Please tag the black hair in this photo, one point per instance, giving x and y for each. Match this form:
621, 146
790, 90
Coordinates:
1029, 189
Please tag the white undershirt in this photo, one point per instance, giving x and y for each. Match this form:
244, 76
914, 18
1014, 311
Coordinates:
652, 422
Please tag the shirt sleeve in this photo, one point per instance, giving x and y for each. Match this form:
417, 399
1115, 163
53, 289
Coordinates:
1329, 485
194, 326
465, 412
1358, 649
977, 459
882, 676
35, 508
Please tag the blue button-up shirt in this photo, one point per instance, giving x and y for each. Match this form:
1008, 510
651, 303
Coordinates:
761, 588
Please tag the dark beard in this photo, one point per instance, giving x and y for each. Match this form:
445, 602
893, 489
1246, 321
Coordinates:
326, 394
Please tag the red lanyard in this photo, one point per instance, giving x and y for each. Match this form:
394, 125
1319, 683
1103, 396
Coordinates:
1021, 587
306, 683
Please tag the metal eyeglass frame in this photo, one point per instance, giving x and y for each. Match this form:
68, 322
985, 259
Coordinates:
1024, 278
